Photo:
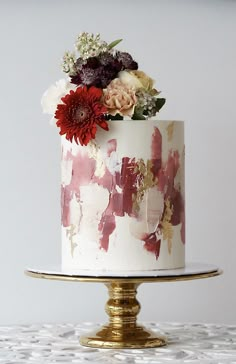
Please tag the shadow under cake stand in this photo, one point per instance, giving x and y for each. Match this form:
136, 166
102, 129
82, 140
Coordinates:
122, 307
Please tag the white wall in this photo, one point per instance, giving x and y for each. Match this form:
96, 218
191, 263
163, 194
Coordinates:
189, 48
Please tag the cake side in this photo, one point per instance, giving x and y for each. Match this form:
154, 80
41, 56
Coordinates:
123, 198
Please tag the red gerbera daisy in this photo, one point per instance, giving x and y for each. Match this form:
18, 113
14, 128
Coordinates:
80, 114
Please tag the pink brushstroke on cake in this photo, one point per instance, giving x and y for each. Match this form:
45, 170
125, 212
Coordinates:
111, 146
79, 177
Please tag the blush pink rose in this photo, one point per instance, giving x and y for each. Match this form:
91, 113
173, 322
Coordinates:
118, 98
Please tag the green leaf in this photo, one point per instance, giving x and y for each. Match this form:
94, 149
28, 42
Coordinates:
115, 117
160, 103
138, 114
114, 43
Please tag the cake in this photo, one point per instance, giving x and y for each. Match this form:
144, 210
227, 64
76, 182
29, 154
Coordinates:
122, 180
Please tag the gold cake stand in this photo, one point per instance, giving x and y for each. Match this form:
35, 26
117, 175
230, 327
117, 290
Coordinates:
122, 307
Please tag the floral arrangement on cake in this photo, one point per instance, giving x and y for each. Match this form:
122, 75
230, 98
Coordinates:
102, 84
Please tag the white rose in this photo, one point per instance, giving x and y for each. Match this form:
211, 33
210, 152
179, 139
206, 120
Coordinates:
129, 80
52, 97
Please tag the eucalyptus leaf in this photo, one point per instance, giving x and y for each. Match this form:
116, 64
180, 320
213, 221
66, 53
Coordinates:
160, 103
114, 43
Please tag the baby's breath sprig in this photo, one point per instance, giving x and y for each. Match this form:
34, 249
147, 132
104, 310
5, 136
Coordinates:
147, 105
90, 45
69, 63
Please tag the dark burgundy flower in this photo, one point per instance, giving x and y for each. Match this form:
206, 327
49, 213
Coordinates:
126, 60
80, 114
106, 58
106, 75
79, 63
97, 71
110, 62
92, 62
89, 77
87, 73
76, 79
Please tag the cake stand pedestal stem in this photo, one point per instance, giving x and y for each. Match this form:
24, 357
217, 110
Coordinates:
122, 331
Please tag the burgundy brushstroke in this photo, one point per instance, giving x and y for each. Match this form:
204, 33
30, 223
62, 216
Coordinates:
172, 192
128, 184
152, 243
182, 230
156, 151
166, 174
166, 184
120, 203
107, 225
176, 203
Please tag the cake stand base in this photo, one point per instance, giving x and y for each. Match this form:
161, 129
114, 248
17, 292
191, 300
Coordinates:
122, 307
138, 338
122, 331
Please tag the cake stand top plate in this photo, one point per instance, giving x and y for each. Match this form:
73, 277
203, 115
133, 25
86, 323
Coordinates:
189, 272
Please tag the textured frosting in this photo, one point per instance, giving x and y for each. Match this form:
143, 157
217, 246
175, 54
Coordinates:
123, 198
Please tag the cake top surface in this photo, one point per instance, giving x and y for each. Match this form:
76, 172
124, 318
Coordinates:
102, 84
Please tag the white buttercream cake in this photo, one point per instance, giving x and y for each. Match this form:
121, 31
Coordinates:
123, 198
122, 194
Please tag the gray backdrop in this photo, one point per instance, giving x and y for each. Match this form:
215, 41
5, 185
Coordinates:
189, 48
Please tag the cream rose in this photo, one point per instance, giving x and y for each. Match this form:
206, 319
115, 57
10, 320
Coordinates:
146, 81
136, 79
119, 98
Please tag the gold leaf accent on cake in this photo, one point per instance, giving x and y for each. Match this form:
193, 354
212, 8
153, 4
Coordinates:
170, 131
145, 180
166, 226
70, 233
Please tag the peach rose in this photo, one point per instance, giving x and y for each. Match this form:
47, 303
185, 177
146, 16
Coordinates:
119, 98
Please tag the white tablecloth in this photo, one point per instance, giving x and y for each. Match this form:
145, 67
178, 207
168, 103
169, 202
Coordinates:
58, 343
